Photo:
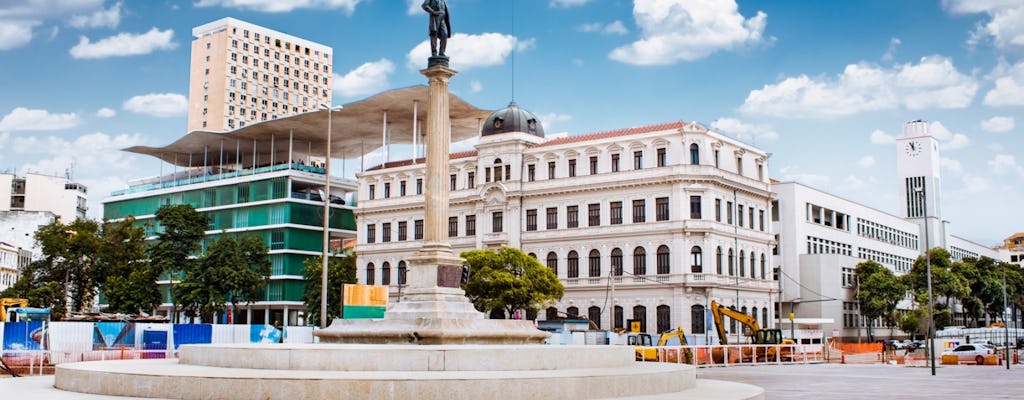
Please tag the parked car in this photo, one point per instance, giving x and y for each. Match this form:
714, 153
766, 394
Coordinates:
971, 352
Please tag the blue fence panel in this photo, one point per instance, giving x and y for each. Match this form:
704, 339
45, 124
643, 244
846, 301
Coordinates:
20, 336
192, 334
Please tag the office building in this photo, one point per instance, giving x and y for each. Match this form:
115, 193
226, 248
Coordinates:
37, 192
242, 74
647, 223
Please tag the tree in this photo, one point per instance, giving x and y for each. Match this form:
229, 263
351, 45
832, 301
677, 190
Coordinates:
910, 321
227, 273
878, 292
38, 291
341, 270
68, 256
509, 280
122, 271
179, 239
945, 283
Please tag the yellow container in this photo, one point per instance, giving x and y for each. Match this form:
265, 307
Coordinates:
950, 359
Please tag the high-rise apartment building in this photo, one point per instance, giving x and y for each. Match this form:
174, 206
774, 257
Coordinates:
243, 74
36, 192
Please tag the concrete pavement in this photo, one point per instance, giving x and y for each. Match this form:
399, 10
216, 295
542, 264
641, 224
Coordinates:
876, 381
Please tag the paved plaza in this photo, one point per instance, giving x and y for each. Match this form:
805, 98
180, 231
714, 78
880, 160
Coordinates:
876, 381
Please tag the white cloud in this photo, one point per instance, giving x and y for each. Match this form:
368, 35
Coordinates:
371, 77
158, 104
14, 34
124, 44
854, 183
998, 124
97, 159
931, 83
549, 119
975, 184
19, 17
996, 147
472, 51
744, 131
1004, 164
106, 112
567, 3
790, 173
24, 119
613, 28
957, 142
890, 52
108, 18
279, 6
687, 30
1009, 86
414, 7
866, 161
879, 137
475, 86
953, 166
1003, 27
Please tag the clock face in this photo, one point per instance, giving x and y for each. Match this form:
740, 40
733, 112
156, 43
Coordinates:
914, 148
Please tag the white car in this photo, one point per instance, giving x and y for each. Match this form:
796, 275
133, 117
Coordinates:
971, 352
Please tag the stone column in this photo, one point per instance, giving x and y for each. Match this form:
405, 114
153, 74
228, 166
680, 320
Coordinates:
433, 276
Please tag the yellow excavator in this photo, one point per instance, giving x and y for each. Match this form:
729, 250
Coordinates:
6, 303
753, 330
646, 350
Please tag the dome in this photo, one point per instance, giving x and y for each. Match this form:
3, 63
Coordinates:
512, 119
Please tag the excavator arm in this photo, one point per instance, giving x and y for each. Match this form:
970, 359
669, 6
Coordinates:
8, 302
718, 310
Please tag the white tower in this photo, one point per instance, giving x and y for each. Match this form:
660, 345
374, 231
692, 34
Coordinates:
917, 170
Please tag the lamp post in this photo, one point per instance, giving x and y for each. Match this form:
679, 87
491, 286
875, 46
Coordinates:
327, 220
928, 270
1006, 325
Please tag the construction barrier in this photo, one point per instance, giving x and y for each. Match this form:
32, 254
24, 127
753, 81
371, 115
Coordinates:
730, 355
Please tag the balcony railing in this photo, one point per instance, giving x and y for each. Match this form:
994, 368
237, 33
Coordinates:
685, 279
200, 176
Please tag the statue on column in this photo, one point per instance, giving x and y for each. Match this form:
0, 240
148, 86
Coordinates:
440, 26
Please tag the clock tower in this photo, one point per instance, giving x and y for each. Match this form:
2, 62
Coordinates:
917, 169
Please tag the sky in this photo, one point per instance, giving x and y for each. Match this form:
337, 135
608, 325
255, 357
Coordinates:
824, 86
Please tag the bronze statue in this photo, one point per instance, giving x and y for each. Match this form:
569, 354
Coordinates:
440, 26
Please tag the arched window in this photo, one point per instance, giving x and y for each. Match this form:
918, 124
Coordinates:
572, 312
764, 316
696, 260
663, 260
385, 273
594, 314
618, 317
697, 318
753, 268
616, 262
401, 272
743, 271
497, 169
753, 314
639, 261
369, 273
694, 154
744, 311
533, 255
574, 264
732, 264
664, 314
551, 314
553, 262
640, 314
594, 262
718, 260
764, 268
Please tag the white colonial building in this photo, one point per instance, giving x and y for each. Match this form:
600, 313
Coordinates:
822, 237
647, 223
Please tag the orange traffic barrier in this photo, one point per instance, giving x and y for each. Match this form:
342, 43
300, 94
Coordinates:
856, 348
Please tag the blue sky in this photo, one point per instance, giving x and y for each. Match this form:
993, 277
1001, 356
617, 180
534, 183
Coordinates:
824, 86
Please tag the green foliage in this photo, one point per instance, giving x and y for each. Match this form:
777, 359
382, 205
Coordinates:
340, 270
122, 270
228, 273
910, 321
878, 291
182, 232
509, 280
69, 254
945, 283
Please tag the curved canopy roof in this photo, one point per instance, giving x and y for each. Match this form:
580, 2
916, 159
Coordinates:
356, 129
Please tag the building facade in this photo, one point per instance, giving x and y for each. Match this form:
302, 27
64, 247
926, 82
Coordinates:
281, 201
243, 73
13, 260
37, 192
1012, 249
822, 237
647, 223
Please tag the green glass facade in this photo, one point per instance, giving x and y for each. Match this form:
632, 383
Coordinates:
291, 229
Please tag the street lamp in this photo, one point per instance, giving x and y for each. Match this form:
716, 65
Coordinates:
928, 270
327, 218
1006, 325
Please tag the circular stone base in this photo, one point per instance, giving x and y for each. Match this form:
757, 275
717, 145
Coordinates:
393, 372
432, 331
